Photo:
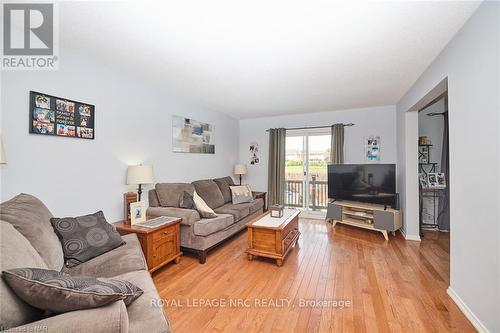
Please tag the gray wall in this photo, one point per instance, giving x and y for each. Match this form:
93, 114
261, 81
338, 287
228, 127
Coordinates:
133, 125
471, 61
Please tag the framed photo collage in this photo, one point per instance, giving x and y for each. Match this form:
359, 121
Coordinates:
51, 115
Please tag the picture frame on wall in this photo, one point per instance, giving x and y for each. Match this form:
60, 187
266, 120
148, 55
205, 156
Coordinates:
372, 148
57, 116
137, 212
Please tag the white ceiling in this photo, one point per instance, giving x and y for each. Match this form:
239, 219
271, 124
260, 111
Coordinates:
251, 58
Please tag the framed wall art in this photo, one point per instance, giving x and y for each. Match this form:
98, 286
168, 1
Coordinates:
254, 153
57, 116
372, 148
192, 136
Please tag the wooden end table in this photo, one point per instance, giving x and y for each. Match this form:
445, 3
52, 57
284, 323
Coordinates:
261, 195
273, 237
160, 245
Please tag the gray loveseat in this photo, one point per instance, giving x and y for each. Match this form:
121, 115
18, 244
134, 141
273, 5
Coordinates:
28, 240
199, 235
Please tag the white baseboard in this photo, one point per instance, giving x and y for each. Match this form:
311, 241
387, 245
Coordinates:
466, 311
409, 237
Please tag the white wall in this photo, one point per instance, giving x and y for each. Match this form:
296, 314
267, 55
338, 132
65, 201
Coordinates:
133, 125
368, 121
471, 64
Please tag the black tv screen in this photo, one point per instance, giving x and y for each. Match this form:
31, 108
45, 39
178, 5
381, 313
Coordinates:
372, 183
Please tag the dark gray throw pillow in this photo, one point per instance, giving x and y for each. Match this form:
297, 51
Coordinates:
186, 201
85, 237
59, 292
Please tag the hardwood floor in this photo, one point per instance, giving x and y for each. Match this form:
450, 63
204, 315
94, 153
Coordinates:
395, 286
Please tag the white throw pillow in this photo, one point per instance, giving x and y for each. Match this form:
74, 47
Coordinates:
241, 194
202, 207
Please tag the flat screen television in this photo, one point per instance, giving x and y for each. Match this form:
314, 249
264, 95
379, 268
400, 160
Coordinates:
371, 183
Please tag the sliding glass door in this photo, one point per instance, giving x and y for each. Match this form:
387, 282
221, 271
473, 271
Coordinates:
307, 158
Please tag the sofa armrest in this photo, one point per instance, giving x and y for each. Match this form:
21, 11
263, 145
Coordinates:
255, 193
189, 216
109, 318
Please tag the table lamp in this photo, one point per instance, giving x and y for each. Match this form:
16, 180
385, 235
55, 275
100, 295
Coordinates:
240, 169
140, 175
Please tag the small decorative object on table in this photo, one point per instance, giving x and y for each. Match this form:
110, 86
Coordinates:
128, 198
137, 212
276, 211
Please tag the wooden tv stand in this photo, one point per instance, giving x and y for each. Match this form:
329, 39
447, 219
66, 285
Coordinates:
364, 215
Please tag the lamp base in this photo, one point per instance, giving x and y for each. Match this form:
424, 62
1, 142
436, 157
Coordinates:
240, 180
139, 192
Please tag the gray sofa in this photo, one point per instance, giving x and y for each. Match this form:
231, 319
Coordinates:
28, 240
199, 235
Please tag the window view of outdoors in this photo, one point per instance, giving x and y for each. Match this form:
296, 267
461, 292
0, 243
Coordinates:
318, 156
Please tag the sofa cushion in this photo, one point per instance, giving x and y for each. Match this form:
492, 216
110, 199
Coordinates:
146, 313
205, 227
16, 251
169, 194
32, 219
123, 259
153, 199
188, 216
224, 184
113, 318
239, 211
85, 237
59, 292
208, 190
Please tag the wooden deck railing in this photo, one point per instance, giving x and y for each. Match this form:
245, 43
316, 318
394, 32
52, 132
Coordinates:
318, 193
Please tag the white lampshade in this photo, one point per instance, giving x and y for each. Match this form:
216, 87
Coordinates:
140, 174
240, 169
3, 159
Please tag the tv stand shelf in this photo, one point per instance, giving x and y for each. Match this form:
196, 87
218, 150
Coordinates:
367, 216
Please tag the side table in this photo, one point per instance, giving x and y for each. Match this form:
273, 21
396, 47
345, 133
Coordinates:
160, 245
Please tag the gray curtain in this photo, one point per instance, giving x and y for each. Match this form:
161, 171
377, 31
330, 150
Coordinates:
443, 219
276, 174
337, 146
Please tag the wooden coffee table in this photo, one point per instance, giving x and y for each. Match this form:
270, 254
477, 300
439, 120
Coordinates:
273, 237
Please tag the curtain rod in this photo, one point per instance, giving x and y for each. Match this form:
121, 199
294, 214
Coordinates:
314, 127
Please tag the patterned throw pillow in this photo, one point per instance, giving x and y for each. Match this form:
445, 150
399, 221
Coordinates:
241, 194
59, 292
85, 237
202, 207
186, 201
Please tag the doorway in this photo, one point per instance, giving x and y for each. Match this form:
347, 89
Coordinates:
433, 166
306, 170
